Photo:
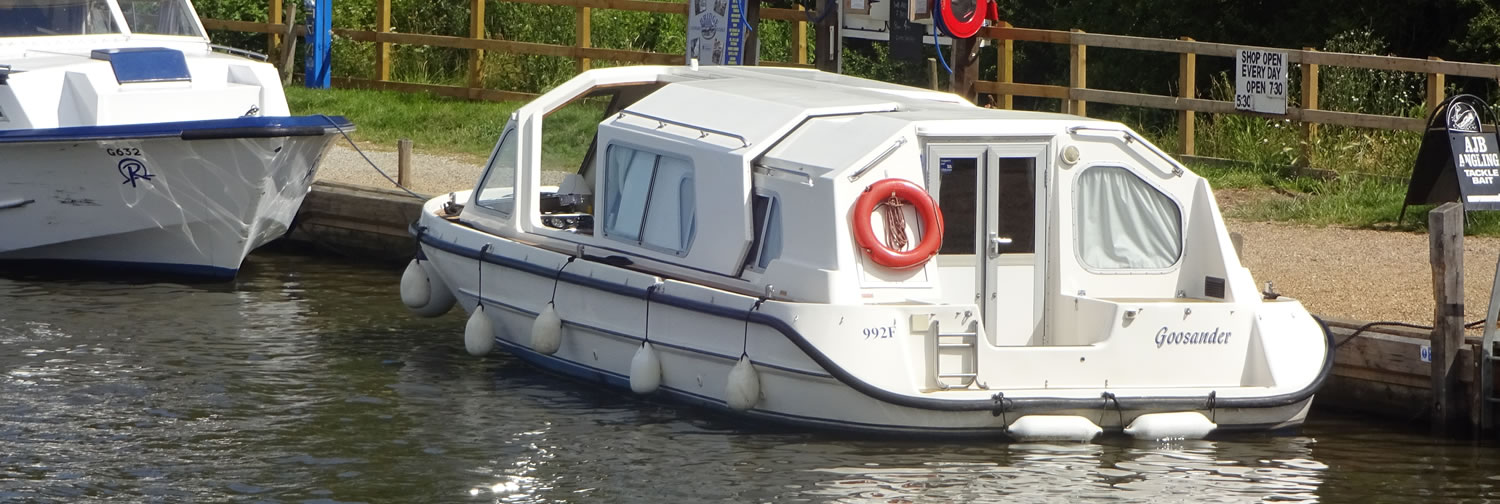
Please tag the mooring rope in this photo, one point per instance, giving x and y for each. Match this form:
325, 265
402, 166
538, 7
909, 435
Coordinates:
371, 163
895, 224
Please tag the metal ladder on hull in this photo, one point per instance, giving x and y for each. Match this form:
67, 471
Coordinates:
966, 346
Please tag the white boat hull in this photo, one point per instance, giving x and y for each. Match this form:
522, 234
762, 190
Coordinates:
191, 197
700, 334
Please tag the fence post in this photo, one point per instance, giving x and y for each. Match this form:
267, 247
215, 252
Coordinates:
1445, 229
799, 39
585, 35
829, 42
1077, 75
382, 49
273, 40
1005, 50
1435, 84
1309, 102
1187, 87
403, 162
476, 59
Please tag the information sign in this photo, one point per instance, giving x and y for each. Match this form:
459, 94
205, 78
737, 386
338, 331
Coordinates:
1260, 81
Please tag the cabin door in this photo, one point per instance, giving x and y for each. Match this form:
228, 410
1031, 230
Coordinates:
988, 196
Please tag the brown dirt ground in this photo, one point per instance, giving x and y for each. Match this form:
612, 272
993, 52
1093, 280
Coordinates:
1356, 273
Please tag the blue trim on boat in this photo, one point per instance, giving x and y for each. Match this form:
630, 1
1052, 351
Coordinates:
997, 404
239, 127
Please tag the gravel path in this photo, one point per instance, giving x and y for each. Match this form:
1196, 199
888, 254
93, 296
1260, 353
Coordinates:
1346, 273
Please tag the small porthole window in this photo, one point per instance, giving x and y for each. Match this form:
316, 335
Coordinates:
1124, 223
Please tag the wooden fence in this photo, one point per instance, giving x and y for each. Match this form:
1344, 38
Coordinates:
1075, 96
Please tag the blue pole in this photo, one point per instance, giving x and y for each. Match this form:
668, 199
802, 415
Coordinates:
319, 65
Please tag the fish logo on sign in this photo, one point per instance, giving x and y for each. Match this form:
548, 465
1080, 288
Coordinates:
133, 169
1463, 118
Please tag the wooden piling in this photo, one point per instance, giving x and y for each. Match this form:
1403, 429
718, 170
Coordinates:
476, 58
403, 162
1187, 88
382, 49
1309, 102
1445, 226
1078, 77
584, 35
1005, 57
1435, 92
288, 45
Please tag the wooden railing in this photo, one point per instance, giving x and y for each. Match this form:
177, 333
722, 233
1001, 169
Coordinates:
1075, 96
583, 51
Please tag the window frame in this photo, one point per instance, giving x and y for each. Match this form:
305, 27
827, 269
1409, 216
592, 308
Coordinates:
1181, 223
605, 200
510, 133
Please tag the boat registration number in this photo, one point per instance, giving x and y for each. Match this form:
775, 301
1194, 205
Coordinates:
874, 333
122, 151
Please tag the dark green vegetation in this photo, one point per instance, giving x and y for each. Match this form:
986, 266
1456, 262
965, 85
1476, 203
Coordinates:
1369, 167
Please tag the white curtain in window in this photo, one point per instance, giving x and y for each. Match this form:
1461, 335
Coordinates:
669, 219
1123, 222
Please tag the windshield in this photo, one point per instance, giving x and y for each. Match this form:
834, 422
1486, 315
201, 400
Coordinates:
162, 17
32, 18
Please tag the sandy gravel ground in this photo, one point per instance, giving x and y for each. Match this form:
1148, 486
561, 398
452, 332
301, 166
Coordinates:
1336, 272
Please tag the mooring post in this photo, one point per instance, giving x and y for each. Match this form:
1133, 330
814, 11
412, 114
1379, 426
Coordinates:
403, 162
1445, 231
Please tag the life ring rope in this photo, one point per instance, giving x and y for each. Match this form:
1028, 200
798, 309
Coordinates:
889, 193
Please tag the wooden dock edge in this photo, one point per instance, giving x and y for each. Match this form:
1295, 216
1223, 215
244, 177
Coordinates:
1381, 372
357, 221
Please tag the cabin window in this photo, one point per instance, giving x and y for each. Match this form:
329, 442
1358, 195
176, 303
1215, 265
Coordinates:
649, 199
767, 244
1123, 222
498, 191
162, 17
60, 17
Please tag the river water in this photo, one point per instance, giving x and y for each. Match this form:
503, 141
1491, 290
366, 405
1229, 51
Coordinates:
307, 381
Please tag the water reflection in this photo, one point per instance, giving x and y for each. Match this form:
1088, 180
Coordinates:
307, 381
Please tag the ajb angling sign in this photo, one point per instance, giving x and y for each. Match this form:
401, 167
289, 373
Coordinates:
1458, 160
1260, 81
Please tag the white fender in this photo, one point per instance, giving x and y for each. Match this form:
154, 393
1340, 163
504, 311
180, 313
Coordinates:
645, 370
743, 389
425, 294
1175, 425
546, 331
479, 333
1054, 428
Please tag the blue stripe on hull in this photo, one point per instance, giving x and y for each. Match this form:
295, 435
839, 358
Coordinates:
240, 127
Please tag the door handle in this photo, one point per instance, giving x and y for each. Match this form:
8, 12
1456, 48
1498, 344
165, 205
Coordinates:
996, 241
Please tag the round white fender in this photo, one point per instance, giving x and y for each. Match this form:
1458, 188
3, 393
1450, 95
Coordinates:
1175, 425
426, 295
546, 331
645, 370
743, 389
1053, 428
479, 333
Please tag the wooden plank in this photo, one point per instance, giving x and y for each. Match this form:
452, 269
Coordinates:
273, 39
1435, 91
1016, 88
476, 58
382, 49
629, 5
1005, 70
1309, 102
451, 91
1078, 76
799, 39
250, 26
1187, 87
514, 47
288, 46
584, 35
1445, 226
403, 162
779, 14
1224, 107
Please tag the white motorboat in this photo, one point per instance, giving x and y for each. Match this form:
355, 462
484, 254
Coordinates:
127, 141
733, 239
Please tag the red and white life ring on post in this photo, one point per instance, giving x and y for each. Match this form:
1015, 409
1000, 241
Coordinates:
932, 223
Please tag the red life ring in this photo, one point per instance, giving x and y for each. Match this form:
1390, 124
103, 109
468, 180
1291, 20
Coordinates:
932, 223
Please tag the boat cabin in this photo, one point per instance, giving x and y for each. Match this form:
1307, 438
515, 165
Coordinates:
750, 180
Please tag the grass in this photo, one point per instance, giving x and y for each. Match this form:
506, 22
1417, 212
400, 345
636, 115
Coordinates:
433, 123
